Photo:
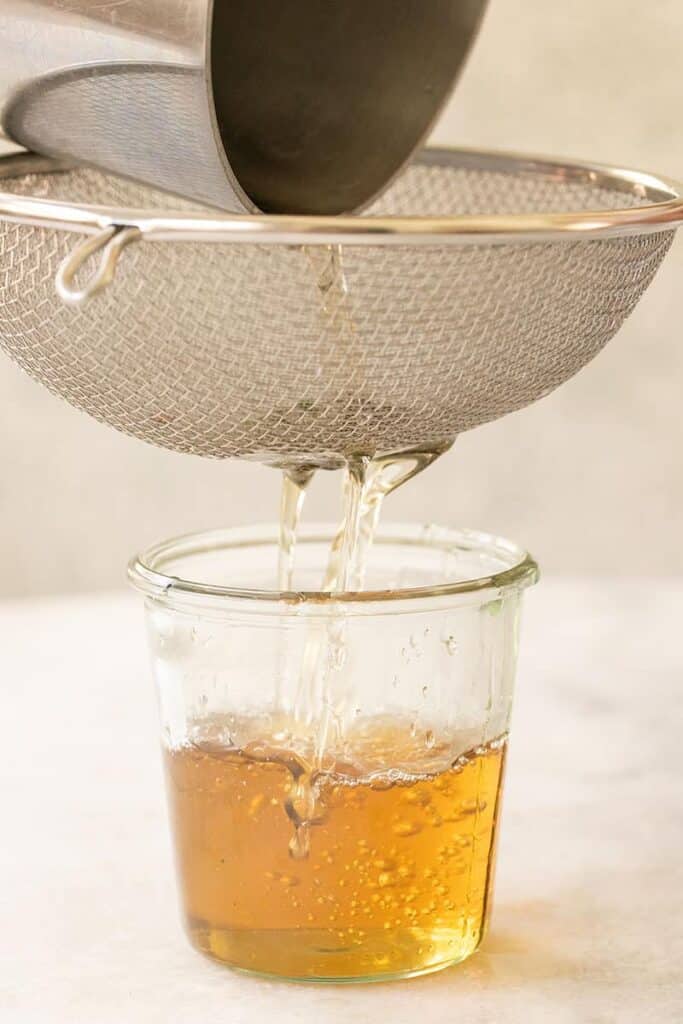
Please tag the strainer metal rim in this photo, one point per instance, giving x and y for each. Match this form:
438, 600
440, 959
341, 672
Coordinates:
663, 212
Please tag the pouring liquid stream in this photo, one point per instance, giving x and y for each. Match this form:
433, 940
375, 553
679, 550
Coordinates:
320, 710
295, 482
323, 698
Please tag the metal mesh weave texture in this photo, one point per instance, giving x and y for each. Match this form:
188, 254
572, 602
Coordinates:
279, 352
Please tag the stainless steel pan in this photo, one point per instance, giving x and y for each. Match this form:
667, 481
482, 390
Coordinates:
306, 107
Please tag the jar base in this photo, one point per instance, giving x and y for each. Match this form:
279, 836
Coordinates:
311, 955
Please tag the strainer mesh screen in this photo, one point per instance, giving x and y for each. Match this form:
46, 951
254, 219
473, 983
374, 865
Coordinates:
278, 352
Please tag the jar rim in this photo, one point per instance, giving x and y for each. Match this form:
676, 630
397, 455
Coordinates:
147, 575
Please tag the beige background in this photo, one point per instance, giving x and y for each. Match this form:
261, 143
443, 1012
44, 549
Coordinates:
590, 478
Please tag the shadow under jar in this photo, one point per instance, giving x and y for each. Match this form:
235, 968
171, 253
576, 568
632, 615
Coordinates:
335, 762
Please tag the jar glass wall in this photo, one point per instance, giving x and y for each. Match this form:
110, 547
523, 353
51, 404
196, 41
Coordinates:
335, 762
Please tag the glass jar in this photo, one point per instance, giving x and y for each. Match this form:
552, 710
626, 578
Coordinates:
335, 761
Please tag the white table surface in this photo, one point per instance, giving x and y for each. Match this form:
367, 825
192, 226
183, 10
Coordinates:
588, 918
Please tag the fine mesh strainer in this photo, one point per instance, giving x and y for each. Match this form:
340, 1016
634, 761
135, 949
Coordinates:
477, 284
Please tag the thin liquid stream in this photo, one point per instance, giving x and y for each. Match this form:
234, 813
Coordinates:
351, 547
295, 483
321, 703
328, 267
312, 704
